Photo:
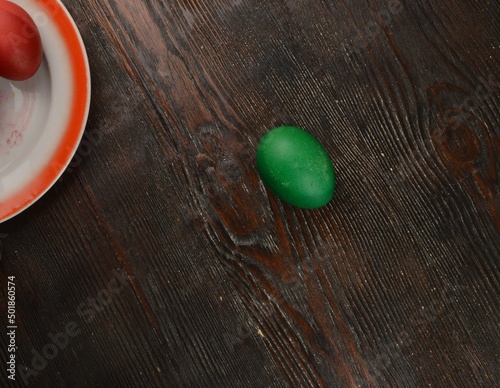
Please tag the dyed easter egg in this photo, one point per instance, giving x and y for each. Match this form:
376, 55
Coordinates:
20, 43
295, 166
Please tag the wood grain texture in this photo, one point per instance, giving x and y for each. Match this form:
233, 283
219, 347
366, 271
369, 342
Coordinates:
179, 268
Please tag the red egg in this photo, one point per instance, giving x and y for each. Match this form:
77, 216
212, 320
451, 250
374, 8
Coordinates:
20, 44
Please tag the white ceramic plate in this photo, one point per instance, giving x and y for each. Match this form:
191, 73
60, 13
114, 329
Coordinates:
42, 119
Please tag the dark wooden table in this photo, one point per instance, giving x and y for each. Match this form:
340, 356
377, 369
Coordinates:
160, 259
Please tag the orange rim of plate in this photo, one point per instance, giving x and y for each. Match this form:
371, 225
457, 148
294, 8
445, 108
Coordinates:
77, 120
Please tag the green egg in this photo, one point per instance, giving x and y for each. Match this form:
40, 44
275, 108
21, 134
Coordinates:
295, 166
